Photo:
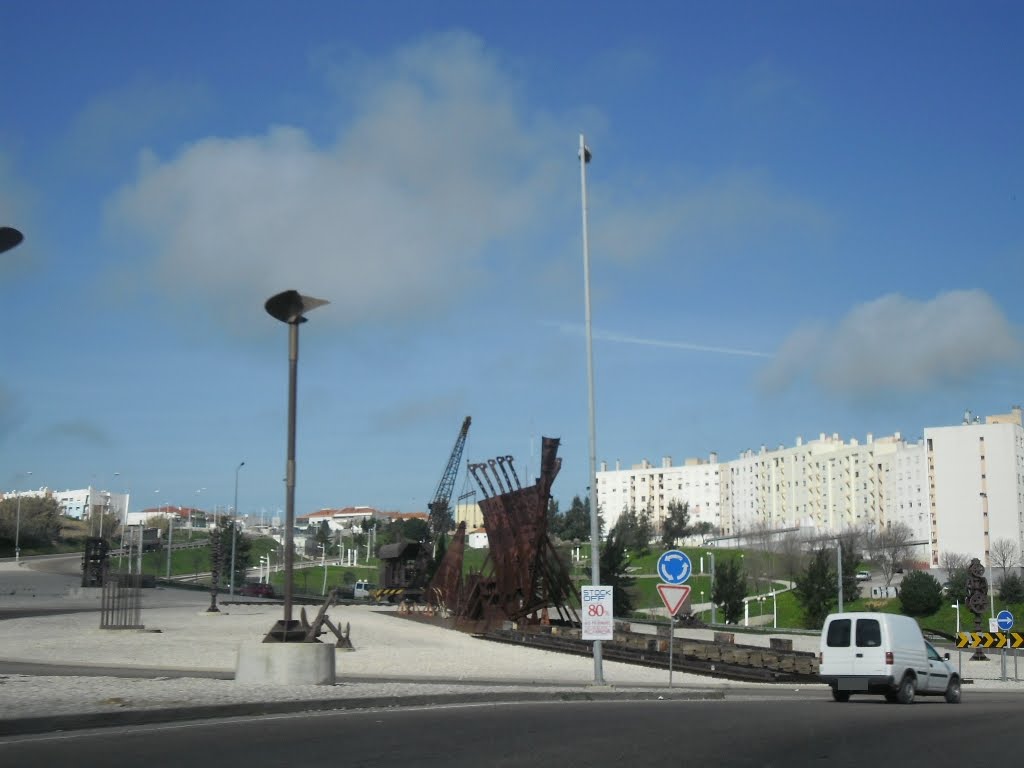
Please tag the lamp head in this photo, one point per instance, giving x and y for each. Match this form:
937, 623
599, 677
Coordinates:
289, 306
9, 237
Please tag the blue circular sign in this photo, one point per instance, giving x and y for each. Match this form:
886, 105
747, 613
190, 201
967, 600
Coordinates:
1005, 620
674, 567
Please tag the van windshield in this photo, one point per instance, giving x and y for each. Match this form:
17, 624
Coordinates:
869, 634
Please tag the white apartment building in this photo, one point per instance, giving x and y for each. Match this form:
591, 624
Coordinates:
821, 486
958, 489
976, 473
86, 502
646, 487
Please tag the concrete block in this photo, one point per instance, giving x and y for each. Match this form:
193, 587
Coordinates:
285, 663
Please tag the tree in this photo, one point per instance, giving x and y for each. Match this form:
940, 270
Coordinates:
323, 536
1004, 554
1011, 588
816, 588
676, 524
243, 554
729, 589
891, 546
920, 594
851, 557
955, 565
575, 523
614, 562
40, 521
635, 530
791, 552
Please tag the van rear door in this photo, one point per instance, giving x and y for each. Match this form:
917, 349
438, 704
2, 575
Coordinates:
837, 648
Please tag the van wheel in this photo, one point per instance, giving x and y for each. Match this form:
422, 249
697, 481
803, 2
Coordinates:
953, 691
908, 687
840, 695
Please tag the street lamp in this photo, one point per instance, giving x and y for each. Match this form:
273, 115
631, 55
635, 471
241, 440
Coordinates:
9, 237
289, 307
17, 524
595, 530
234, 529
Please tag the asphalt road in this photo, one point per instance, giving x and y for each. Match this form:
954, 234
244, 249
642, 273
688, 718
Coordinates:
748, 729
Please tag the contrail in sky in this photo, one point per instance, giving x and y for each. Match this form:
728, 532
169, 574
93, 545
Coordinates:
623, 339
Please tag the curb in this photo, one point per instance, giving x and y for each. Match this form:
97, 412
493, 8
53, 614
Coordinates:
35, 725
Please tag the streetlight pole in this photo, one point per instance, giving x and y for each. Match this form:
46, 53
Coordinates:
234, 528
17, 524
595, 531
289, 307
323, 561
714, 608
170, 540
839, 572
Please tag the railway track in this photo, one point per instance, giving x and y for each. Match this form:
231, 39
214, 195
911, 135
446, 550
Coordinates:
650, 658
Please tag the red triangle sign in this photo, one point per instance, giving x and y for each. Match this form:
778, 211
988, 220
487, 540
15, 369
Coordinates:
673, 596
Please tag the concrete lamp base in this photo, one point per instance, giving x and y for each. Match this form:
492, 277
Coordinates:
285, 663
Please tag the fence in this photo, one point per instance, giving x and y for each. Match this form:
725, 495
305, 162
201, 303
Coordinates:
121, 601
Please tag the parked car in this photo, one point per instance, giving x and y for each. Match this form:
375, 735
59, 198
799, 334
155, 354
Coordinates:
883, 653
257, 589
863, 575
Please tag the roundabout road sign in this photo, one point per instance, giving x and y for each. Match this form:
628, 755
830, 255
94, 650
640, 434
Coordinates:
1005, 621
674, 567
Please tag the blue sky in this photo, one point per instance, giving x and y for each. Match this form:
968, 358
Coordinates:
804, 217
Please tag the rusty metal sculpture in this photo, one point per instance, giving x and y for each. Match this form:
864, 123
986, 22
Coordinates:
523, 579
95, 562
977, 599
445, 590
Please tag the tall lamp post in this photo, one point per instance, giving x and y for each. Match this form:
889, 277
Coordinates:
595, 531
17, 524
234, 529
289, 307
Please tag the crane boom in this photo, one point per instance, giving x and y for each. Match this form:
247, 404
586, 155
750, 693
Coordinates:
439, 510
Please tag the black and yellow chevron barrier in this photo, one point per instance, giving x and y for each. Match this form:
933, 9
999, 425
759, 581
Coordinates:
989, 640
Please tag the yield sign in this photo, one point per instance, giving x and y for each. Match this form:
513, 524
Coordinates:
673, 596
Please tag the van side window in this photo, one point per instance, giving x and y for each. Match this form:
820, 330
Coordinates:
839, 634
869, 634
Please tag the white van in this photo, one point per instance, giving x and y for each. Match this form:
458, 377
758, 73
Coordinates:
363, 590
883, 653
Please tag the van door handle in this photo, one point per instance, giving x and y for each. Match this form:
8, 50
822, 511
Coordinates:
860, 655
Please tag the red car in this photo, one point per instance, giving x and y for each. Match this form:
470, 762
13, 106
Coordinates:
257, 589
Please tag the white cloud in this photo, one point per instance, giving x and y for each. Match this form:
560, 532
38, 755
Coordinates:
896, 344
394, 218
729, 212
128, 116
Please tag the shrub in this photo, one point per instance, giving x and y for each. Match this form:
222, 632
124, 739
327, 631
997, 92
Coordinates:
920, 594
1011, 589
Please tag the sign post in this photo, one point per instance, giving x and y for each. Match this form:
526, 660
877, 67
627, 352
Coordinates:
674, 568
1005, 623
598, 616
